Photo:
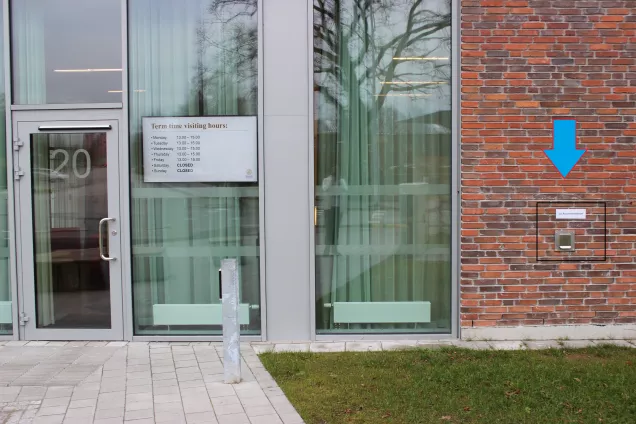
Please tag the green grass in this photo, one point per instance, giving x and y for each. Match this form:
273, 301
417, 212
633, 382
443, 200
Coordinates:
594, 385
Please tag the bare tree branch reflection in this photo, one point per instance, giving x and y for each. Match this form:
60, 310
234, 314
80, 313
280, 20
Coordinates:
365, 43
227, 54
382, 157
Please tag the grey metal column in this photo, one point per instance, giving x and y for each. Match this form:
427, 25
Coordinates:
286, 166
231, 328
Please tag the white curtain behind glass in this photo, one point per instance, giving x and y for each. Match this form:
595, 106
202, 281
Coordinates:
186, 60
385, 133
51, 38
41, 183
28, 52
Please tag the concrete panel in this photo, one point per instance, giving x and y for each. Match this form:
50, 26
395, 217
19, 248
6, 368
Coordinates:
552, 332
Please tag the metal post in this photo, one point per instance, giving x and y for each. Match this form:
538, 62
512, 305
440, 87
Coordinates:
231, 329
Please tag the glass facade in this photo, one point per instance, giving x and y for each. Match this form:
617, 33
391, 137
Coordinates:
66, 51
382, 171
191, 59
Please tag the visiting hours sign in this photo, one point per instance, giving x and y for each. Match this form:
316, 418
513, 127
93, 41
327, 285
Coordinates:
200, 149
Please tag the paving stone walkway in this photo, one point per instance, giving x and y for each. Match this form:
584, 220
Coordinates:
171, 382
138, 383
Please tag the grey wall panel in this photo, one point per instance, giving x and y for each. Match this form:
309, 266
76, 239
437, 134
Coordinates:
286, 228
286, 167
285, 57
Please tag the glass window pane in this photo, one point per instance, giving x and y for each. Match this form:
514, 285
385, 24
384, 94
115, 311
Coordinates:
382, 166
69, 189
191, 58
6, 314
66, 51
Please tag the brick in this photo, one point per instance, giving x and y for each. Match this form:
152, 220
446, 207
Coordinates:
526, 63
527, 104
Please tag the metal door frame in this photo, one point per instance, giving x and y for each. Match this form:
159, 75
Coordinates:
24, 124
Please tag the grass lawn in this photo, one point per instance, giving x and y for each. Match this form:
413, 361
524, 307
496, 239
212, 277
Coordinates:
594, 385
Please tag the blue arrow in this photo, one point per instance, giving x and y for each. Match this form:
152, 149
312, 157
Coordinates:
564, 154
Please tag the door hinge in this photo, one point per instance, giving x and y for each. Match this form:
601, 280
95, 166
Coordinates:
18, 174
17, 144
24, 318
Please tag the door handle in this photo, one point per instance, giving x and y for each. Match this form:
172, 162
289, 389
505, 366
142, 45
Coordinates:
101, 239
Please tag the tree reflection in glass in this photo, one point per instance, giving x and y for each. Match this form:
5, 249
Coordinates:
382, 165
191, 58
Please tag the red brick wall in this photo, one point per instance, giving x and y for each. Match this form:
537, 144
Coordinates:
523, 64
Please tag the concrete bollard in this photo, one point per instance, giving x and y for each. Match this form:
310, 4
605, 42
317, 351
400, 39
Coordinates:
231, 328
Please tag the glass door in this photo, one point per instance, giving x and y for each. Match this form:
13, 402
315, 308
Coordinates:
67, 180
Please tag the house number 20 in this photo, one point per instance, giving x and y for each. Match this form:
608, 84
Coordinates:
66, 157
